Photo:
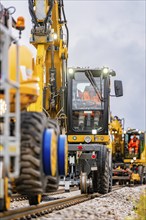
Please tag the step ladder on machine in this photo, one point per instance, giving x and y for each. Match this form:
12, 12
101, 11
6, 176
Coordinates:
9, 138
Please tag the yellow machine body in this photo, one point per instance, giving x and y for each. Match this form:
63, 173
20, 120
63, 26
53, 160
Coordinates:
122, 158
30, 104
116, 131
50, 55
29, 87
135, 177
94, 138
47, 36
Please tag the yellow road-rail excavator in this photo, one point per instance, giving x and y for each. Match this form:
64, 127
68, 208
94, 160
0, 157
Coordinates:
15, 96
44, 150
33, 113
90, 154
129, 153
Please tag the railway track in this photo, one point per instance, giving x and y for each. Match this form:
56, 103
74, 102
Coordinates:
18, 197
48, 207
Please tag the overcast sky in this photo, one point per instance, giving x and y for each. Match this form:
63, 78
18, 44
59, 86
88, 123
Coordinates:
107, 33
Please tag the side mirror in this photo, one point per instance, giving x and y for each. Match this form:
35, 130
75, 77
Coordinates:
118, 88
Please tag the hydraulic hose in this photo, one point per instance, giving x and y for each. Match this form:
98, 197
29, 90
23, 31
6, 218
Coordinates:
33, 16
49, 11
62, 5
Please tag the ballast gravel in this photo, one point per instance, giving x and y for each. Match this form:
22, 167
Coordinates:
117, 205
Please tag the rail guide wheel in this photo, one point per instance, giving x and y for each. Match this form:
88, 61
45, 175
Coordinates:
83, 183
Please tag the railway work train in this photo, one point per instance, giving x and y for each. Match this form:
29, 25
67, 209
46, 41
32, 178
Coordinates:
51, 108
90, 152
33, 148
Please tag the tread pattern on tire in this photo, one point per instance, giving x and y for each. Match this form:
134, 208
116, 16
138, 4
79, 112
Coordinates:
32, 179
110, 181
103, 171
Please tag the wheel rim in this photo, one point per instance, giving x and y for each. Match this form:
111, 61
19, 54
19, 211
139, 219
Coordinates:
49, 152
83, 183
62, 155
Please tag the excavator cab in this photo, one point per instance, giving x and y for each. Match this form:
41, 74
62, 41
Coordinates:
133, 144
88, 110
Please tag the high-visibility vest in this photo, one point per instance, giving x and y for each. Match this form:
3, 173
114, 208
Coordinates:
133, 143
87, 96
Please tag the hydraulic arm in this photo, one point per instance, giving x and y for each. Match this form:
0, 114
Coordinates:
43, 124
47, 35
117, 130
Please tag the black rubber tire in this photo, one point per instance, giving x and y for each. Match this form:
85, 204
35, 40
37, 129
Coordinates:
95, 181
110, 181
140, 172
2, 205
33, 200
53, 182
32, 180
103, 170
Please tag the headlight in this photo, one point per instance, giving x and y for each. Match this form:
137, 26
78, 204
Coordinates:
74, 138
3, 107
87, 139
70, 71
94, 131
105, 70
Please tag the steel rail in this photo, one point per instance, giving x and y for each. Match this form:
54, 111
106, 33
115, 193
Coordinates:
19, 197
48, 207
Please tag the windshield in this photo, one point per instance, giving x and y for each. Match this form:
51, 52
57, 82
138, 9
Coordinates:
133, 145
84, 95
87, 107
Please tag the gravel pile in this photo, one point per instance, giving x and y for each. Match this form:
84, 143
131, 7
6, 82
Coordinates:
118, 205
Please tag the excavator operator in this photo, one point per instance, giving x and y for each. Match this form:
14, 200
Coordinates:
90, 94
133, 144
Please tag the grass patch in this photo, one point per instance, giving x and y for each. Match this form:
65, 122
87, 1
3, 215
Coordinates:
139, 208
